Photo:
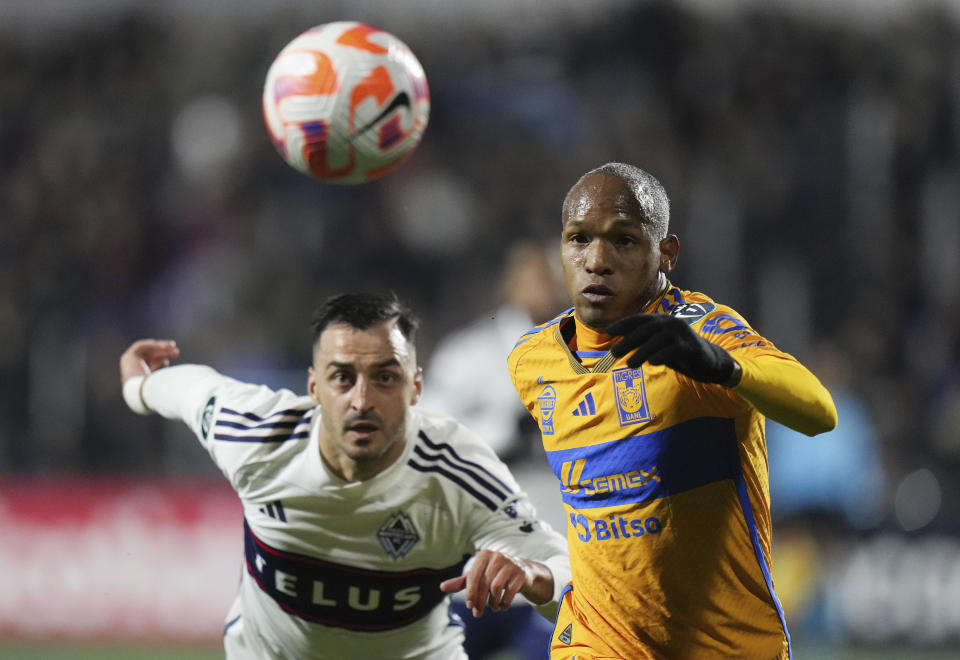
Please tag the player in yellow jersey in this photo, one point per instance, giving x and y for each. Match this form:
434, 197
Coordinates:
651, 403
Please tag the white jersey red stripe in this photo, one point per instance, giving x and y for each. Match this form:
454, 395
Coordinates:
336, 569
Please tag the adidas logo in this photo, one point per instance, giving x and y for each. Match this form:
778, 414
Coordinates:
586, 407
567, 635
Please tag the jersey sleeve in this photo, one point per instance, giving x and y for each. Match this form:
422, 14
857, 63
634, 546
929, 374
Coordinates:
787, 392
230, 418
181, 393
515, 364
773, 382
510, 524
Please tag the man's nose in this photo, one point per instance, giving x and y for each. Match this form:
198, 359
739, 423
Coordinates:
598, 259
360, 395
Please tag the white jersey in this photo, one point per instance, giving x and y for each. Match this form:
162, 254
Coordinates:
350, 570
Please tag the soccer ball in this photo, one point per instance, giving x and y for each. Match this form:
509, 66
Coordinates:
346, 102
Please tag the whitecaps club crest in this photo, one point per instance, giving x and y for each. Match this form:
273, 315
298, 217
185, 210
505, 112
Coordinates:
398, 535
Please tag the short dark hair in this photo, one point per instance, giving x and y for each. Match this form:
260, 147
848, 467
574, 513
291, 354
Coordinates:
363, 310
648, 191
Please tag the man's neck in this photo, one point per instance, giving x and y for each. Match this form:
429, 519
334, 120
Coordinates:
352, 471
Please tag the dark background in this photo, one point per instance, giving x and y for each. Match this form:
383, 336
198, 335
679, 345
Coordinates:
811, 151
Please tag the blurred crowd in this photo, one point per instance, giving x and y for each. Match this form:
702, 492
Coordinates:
813, 165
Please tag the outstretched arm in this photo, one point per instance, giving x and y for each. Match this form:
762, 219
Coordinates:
495, 578
780, 388
787, 392
137, 362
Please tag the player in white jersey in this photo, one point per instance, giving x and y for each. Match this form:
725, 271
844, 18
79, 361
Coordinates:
360, 511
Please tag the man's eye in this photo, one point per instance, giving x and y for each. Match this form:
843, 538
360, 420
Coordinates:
388, 378
577, 238
626, 241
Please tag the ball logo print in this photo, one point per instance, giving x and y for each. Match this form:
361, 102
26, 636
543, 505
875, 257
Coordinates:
345, 102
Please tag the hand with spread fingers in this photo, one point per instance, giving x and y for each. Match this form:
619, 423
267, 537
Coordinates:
495, 578
670, 341
146, 356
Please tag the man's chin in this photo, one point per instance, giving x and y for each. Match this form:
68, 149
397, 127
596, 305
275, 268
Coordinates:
366, 450
360, 451
595, 316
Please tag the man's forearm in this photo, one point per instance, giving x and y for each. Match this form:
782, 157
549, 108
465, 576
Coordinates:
786, 392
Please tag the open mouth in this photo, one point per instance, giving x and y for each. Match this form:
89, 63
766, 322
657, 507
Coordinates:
597, 293
363, 429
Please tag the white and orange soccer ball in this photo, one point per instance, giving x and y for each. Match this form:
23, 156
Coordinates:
346, 102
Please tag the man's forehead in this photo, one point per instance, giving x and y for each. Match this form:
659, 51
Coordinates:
343, 343
602, 192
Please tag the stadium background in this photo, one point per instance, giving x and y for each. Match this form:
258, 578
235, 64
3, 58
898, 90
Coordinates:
812, 153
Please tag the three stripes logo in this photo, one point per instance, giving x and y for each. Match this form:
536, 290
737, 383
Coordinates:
586, 406
274, 510
442, 459
242, 426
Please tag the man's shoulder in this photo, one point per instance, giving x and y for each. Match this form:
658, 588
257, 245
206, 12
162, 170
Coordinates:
537, 336
434, 428
695, 307
257, 424
720, 323
451, 452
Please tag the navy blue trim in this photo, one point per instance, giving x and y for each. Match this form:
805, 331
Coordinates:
744, 498
591, 354
537, 328
676, 294
261, 438
556, 619
306, 417
417, 589
443, 459
230, 623
646, 467
249, 415
443, 446
455, 479
267, 425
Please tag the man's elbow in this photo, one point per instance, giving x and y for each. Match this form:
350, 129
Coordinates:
825, 420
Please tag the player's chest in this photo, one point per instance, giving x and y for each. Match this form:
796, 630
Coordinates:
616, 402
361, 564
394, 529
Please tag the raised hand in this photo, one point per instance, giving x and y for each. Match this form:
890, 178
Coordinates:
670, 341
147, 355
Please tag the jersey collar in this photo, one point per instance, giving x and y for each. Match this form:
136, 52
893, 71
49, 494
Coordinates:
572, 331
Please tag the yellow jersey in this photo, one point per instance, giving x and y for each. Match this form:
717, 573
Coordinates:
664, 483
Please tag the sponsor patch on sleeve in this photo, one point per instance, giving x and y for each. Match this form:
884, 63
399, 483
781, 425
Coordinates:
693, 312
206, 419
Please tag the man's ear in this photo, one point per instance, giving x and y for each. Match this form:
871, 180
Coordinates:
669, 249
312, 384
417, 386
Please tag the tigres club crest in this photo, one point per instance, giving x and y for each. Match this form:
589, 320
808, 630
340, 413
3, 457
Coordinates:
398, 535
631, 396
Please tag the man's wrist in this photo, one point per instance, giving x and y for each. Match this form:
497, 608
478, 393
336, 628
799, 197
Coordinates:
133, 395
735, 375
